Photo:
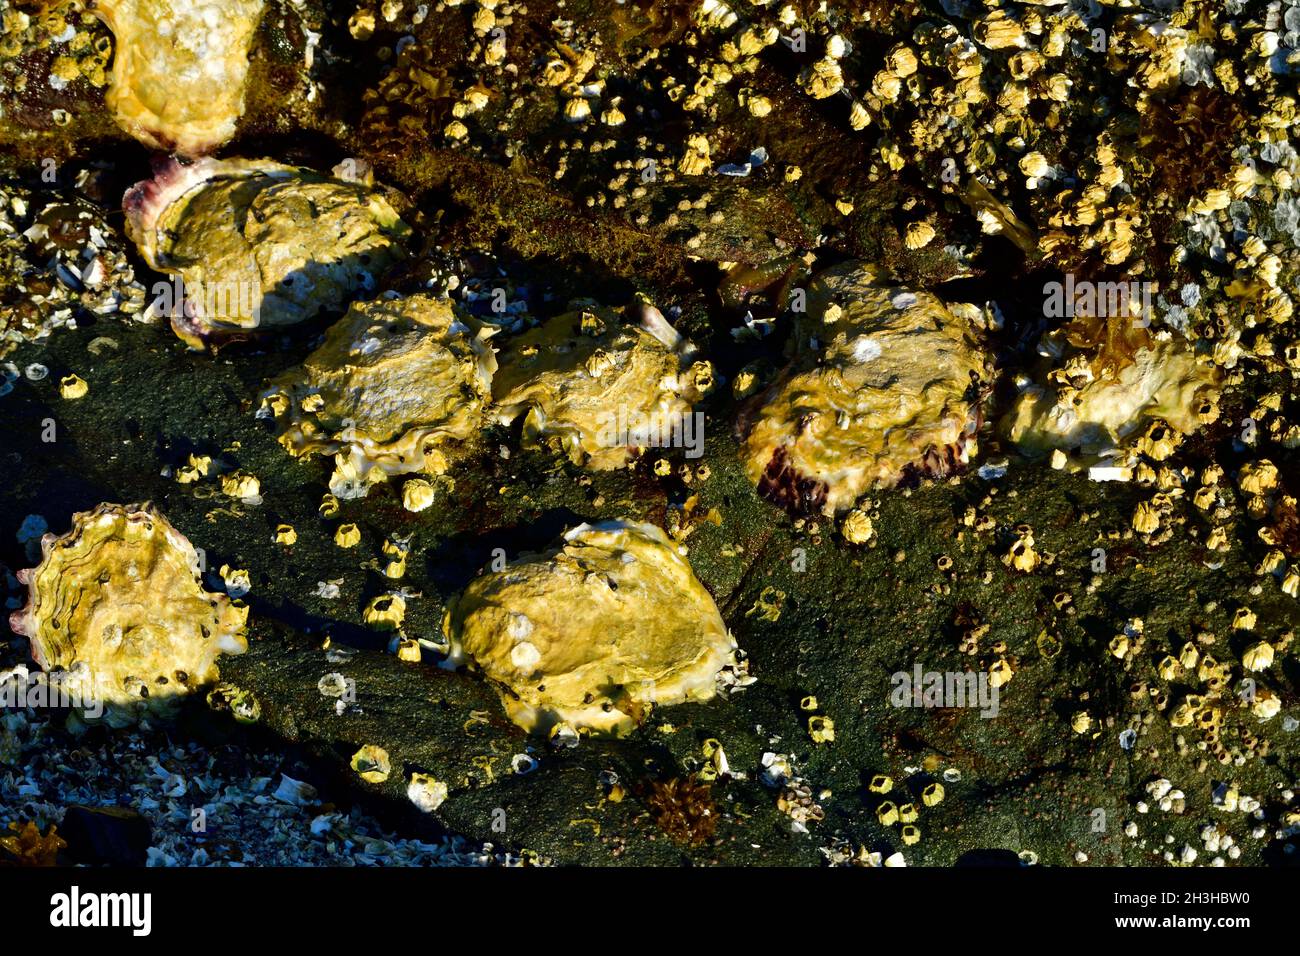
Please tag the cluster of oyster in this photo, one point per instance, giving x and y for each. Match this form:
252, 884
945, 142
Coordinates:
117, 604
593, 633
404, 386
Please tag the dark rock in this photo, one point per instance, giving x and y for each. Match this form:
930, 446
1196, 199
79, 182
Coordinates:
110, 836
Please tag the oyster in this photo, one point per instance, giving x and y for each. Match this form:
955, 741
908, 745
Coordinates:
117, 602
885, 385
258, 244
601, 389
1109, 379
594, 632
179, 69
396, 387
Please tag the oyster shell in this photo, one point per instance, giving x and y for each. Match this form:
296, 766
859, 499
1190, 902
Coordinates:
396, 387
179, 69
118, 600
600, 388
1107, 380
885, 384
594, 632
259, 244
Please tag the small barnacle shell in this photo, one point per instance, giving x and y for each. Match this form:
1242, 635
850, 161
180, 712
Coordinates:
882, 388
593, 632
1258, 657
425, 792
1146, 518
821, 729
372, 764
121, 594
1257, 477
857, 528
397, 387
179, 69
385, 612
602, 396
257, 244
72, 387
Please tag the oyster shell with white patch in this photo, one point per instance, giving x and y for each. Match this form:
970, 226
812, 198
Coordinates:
398, 386
594, 632
885, 384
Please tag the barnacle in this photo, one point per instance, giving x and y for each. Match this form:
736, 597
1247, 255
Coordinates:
118, 602
1112, 378
179, 69
398, 385
600, 388
885, 386
259, 244
593, 632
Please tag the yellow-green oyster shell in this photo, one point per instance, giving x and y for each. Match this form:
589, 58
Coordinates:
259, 244
885, 384
118, 602
397, 387
587, 381
594, 632
179, 69
1109, 379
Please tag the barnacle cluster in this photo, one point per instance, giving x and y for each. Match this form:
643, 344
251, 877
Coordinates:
64, 259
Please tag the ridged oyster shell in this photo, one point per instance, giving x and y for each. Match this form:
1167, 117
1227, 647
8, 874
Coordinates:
397, 386
179, 69
594, 632
119, 600
885, 385
259, 244
580, 376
